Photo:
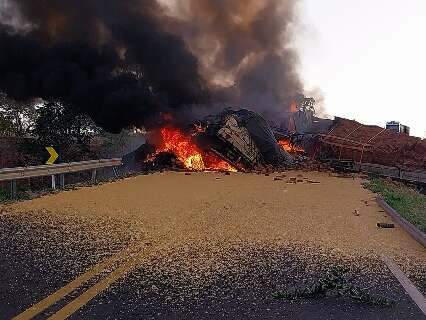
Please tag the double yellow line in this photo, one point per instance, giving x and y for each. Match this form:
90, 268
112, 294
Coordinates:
116, 267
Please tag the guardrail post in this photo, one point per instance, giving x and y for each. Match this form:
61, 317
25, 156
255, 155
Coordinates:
13, 190
53, 182
62, 181
12, 175
94, 173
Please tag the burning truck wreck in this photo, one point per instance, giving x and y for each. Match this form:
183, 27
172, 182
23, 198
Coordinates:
244, 139
234, 140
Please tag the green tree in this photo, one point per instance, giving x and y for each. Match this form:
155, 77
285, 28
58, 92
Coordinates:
6, 126
66, 129
16, 117
305, 103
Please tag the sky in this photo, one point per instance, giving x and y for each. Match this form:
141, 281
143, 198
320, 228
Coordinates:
368, 57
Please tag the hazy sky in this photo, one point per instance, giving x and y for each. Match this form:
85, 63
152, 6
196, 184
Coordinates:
368, 57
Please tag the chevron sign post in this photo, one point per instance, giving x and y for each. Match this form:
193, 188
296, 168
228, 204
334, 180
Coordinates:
53, 155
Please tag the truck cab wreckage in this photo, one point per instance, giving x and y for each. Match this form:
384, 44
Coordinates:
244, 139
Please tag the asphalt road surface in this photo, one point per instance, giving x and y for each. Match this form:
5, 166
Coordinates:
206, 246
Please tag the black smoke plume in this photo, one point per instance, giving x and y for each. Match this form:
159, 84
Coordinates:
126, 63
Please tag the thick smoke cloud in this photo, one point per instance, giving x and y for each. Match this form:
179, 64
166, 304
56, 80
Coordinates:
128, 62
245, 45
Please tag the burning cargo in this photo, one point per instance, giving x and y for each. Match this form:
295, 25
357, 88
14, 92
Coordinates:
245, 139
233, 140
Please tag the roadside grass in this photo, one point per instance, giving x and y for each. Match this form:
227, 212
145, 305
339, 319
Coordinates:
407, 201
4, 196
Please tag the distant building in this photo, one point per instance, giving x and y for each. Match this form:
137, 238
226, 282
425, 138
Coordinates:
397, 127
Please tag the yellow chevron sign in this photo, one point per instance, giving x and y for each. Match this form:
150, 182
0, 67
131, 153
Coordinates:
53, 155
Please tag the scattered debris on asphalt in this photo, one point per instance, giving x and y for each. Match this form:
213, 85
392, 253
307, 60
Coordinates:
337, 282
313, 182
385, 225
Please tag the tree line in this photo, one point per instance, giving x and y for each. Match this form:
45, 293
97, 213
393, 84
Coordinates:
39, 123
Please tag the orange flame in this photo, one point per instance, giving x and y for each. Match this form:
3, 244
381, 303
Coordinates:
289, 147
174, 141
293, 106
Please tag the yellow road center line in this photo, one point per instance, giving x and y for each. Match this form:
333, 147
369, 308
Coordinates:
73, 285
92, 292
133, 262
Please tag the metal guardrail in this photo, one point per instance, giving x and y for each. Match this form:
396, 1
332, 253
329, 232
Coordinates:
8, 174
415, 176
394, 172
14, 174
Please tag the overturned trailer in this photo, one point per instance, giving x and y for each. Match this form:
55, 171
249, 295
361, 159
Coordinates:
244, 139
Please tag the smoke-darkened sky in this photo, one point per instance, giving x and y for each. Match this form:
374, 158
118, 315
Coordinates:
127, 62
